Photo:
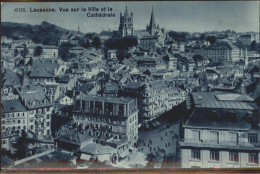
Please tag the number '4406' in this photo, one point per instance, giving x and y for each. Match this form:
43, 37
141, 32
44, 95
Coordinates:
20, 10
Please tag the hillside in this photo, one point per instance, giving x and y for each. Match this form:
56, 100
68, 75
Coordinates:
45, 33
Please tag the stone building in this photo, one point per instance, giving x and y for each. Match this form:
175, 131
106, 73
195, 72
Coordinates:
126, 27
107, 119
222, 131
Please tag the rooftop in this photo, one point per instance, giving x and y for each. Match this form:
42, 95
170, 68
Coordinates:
218, 119
97, 149
10, 106
221, 100
105, 99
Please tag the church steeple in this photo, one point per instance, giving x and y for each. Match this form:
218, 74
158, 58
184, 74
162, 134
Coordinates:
152, 20
152, 28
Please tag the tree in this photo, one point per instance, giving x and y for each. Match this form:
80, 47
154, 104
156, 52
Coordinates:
96, 42
121, 43
46, 41
64, 51
254, 45
179, 36
203, 36
211, 39
37, 51
21, 146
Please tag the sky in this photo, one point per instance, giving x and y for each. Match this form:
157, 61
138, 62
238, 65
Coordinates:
191, 16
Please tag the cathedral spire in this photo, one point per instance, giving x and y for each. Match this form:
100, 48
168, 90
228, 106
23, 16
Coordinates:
152, 20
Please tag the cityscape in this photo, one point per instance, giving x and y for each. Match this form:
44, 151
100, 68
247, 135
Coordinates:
128, 98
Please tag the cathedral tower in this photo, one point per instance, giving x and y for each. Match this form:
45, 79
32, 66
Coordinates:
126, 24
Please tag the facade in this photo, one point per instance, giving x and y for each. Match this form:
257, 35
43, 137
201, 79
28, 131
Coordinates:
222, 51
107, 118
126, 27
153, 98
222, 131
48, 51
30, 112
247, 39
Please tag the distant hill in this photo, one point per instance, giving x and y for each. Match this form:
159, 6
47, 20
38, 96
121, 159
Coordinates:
45, 33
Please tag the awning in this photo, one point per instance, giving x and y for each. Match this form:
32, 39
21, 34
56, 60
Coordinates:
124, 154
104, 157
85, 157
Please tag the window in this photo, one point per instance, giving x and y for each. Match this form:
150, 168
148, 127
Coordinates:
48, 123
214, 137
4, 141
19, 121
233, 138
253, 158
233, 156
195, 154
252, 138
31, 127
214, 155
196, 135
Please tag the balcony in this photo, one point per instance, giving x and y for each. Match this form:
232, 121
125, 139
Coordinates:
219, 144
37, 129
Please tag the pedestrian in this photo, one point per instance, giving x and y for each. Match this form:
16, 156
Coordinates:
166, 145
169, 144
154, 148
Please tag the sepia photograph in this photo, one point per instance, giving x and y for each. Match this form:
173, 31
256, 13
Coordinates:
153, 85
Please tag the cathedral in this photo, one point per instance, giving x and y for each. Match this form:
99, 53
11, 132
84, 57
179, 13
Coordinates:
148, 39
152, 37
126, 24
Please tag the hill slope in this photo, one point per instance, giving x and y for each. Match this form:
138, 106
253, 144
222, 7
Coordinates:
45, 33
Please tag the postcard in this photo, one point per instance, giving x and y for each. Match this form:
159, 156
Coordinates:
130, 85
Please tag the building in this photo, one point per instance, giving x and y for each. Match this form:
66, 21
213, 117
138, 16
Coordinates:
152, 37
48, 51
14, 118
39, 110
30, 112
222, 51
246, 39
126, 27
77, 50
44, 70
153, 98
107, 118
221, 131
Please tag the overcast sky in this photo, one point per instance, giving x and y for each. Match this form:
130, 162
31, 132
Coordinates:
189, 16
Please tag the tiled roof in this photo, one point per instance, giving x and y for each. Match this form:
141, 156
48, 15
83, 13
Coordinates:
141, 33
219, 46
105, 99
10, 106
44, 68
134, 85
221, 100
34, 93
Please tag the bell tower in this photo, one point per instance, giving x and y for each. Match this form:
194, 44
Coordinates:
126, 24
